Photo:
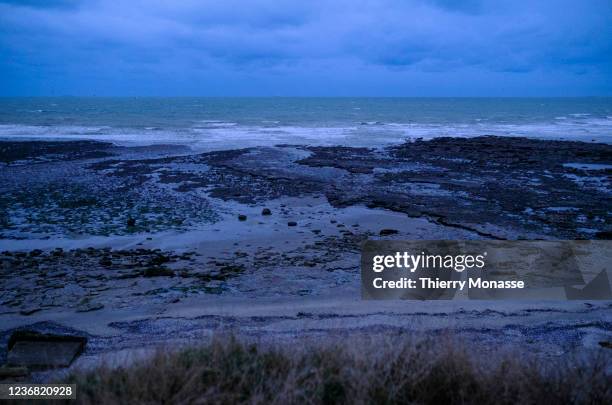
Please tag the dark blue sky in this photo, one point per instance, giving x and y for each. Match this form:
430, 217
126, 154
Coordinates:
306, 48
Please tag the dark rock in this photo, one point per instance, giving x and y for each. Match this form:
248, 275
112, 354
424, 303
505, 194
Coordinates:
291, 223
54, 150
131, 222
29, 311
384, 232
606, 235
88, 306
266, 211
159, 259
106, 262
242, 217
605, 344
158, 272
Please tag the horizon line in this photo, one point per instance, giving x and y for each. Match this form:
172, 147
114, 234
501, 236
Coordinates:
268, 96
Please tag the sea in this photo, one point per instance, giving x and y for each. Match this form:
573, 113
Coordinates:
227, 123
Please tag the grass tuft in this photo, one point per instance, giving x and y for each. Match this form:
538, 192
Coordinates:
352, 371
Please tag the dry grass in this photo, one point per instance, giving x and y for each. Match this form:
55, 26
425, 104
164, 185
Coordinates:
351, 371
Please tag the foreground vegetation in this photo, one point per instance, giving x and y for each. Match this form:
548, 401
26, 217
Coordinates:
352, 371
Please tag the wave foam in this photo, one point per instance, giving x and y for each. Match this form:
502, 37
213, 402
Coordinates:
217, 134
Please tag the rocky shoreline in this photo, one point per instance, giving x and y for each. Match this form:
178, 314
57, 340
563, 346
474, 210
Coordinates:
497, 187
169, 243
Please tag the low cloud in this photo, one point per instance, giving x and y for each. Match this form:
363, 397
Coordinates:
80, 40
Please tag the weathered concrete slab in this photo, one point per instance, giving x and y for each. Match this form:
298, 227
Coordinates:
37, 350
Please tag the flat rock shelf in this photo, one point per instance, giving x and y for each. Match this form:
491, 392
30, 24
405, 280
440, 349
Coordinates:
165, 245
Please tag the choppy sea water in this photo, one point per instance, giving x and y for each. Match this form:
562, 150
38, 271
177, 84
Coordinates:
220, 123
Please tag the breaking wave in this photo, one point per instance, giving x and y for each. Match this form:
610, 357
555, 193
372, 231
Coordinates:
219, 134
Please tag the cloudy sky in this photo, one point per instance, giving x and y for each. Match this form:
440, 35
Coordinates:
306, 48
